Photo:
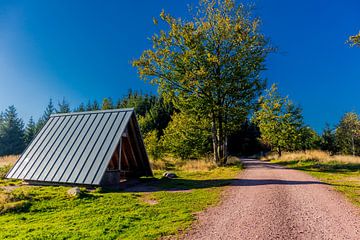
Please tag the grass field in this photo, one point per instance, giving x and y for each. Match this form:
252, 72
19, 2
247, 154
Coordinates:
342, 172
30, 212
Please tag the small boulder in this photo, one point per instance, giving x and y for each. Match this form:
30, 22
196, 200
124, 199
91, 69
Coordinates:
74, 192
169, 175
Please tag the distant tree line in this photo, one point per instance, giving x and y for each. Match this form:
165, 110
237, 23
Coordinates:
276, 125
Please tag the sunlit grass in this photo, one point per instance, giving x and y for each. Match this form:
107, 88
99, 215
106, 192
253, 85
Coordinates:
35, 212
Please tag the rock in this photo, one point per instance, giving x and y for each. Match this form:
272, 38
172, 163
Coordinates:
74, 192
169, 175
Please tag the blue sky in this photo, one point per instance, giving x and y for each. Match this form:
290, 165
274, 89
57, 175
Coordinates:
82, 50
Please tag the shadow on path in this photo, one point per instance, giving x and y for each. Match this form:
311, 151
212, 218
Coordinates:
181, 184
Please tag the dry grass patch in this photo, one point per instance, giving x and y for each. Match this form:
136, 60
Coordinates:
8, 160
171, 163
315, 155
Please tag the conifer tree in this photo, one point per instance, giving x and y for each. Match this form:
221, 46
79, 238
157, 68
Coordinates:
95, 105
30, 131
11, 133
50, 109
89, 107
80, 108
63, 106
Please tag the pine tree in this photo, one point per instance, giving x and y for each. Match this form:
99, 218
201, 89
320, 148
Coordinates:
328, 140
64, 107
80, 108
89, 107
95, 105
11, 133
30, 131
50, 109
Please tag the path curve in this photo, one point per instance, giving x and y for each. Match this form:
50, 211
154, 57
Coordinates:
271, 202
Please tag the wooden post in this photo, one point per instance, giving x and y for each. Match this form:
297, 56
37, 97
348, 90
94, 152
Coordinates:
120, 143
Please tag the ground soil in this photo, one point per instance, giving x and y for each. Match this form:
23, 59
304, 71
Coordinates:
267, 201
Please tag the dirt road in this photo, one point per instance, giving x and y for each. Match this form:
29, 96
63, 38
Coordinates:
271, 202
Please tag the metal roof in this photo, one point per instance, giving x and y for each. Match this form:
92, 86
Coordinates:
73, 148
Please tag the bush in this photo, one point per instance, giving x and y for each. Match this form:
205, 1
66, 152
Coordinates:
153, 145
187, 137
4, 170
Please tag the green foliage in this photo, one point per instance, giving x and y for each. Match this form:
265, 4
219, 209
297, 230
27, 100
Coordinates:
157, 117
4, 170
107, 104
309, 139
30, 131
153, 145
63, 107
280, 122
115, 215
81, 108
354, 40
328, 140
50, 109
348, 134
209, 66
187, 136
11, 133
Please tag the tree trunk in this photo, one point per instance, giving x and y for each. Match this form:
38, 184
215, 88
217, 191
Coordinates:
353, 145
214, 140
279, 152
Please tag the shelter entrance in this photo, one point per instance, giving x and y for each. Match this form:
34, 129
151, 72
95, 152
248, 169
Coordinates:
127, 160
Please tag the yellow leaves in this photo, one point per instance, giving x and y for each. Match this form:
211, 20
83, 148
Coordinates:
212, 58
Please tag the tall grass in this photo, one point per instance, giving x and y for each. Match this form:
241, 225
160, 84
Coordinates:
8, 160
315, 155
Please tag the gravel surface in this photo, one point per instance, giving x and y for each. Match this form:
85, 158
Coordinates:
270, 202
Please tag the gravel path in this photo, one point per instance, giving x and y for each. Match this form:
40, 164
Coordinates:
271, 202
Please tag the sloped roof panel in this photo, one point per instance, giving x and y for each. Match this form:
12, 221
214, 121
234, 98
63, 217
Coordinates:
73, 148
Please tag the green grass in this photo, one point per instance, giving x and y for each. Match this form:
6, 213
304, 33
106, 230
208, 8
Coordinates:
48, 213
345, 177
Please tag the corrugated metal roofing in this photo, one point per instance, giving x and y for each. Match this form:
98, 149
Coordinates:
73, 148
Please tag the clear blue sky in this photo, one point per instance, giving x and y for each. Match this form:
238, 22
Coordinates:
82, 50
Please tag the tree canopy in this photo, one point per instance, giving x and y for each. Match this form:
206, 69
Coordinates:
280, 122
209, 65
354, 40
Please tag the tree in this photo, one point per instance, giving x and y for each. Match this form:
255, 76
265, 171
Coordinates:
209, 66
63, 107
354, 40
30, 131
89, 106
80, 108
348, 134
156, 117
187, 136
309, 139
107, 104
95, 106
328, 140
50, 109
279, 121
11, 133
